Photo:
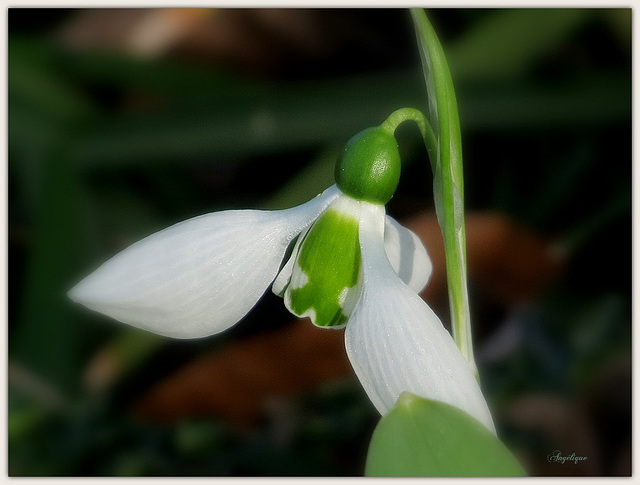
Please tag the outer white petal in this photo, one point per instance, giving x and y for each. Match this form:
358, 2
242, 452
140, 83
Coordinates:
407, 255
396, 343
200, 276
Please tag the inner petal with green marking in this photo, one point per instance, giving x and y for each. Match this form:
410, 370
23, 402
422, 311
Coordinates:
324, 280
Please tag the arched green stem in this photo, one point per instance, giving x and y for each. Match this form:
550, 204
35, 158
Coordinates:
401, 115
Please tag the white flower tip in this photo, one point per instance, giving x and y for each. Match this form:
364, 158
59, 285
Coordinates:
75, 294
83, 292
94, 289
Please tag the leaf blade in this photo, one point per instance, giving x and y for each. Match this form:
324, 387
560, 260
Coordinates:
420, 437
448, 176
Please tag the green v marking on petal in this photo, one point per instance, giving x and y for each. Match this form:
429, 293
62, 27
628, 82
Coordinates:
330, 259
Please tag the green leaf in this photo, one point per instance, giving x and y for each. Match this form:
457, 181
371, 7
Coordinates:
32, 80
448, 183
270, 120
420, 437
508, 42
312, 179
47, 337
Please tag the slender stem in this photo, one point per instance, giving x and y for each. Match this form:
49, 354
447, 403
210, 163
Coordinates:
448, 176
450, 211
411, 114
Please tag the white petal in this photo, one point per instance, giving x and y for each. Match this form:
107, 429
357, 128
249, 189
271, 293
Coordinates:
284, 276
200, 276
396, 343
407, 255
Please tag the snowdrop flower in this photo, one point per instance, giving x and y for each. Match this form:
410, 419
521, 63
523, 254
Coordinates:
350, 265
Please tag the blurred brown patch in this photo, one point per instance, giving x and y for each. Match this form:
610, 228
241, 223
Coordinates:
258, 41
138, 31
510, 262
562, 429
237, 382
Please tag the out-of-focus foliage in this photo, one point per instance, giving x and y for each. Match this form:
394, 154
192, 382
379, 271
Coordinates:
112, 137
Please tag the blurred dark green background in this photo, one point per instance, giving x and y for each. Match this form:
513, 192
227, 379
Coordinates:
124, 121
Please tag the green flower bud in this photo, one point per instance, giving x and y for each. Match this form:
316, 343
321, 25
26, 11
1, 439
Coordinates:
369, 167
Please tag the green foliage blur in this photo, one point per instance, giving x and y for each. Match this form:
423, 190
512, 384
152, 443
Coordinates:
107, 145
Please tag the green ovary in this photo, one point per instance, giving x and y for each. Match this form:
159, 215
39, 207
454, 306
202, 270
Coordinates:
330, 259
